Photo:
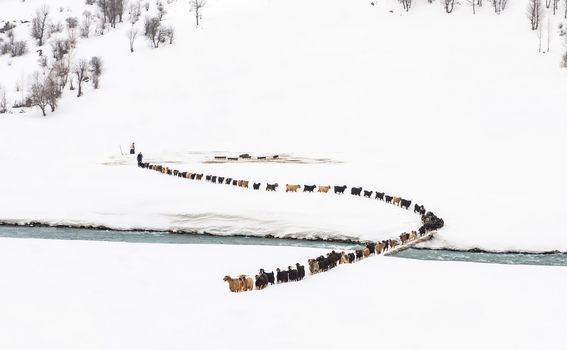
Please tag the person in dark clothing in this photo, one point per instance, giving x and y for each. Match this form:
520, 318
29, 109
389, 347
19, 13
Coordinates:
140, 157
132, 148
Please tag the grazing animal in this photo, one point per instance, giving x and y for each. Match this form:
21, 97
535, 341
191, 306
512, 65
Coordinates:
340, 189
282, 276
261, 158
308, 188
234, 182
371, 248
245, 156
175, 172
220, 157
313, 266
292, 188
393, 243
247, 282
386, 244
379, 247
413, 235
367, 194
208, 178
359, 254
234, 284
300, 271
243, 183
275, 157
380, 196
261, 281
228, 180
271, 187
405, 204
293, 274
365, 252
404, 237
269, 275
324, 189
256, 186
355, 191
389, 199
232, 158
196, 176
214, 179
351, 258
344, 258
416, 208
221, 180
396, 200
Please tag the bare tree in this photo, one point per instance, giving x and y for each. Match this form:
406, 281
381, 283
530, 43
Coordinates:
555, 6
95, 68
499, 5
473, 4
38, 92
169, 34
60, 71
59, 48
86, 24
406, 4
547, 3
120, 9
548, 33
3, 101
39, 24
103, 5
534, 13
197, 5
448, 5
52, 92
539, 36
160, 9
134, 12
132, 34
565, 6
80, 70
153, 31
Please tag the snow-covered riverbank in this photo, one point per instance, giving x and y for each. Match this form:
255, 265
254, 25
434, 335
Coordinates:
444, 112
100, 295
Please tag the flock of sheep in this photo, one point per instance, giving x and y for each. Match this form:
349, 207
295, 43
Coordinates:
243, 283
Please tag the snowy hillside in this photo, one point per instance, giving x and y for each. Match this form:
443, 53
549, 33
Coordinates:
458, 112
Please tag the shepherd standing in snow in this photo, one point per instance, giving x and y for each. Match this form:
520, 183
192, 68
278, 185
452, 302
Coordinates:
140, 157
132, 148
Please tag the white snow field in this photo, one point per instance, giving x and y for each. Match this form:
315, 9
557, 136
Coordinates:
457, 112
95, 295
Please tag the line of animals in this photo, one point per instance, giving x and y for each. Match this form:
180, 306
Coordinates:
322, 263
355, 191
243, 283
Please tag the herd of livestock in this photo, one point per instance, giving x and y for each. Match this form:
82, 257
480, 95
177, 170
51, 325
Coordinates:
430, 222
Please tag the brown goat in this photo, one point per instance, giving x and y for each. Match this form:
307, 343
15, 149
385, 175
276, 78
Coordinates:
247, 283
292, 188
396, 200
313, 266
234, 284
366, 252
324, 189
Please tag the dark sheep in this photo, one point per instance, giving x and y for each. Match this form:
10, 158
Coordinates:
271, 187
261, 158
405, 203
300, 271
175, 172
228, 180
351, 258
256, 186
380, 195
355, 191
275, 157
234, 182
221, 180
389, 199
358, 253
340, 189
208, 178
367, 194
269, 275
323, 263
293, 274
308, 188
261, 281
220, 157
371, 248
231, 158
214, 179
244, 156
282, 276
199, 176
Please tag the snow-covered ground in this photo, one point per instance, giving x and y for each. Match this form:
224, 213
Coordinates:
99, 295
457, 112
